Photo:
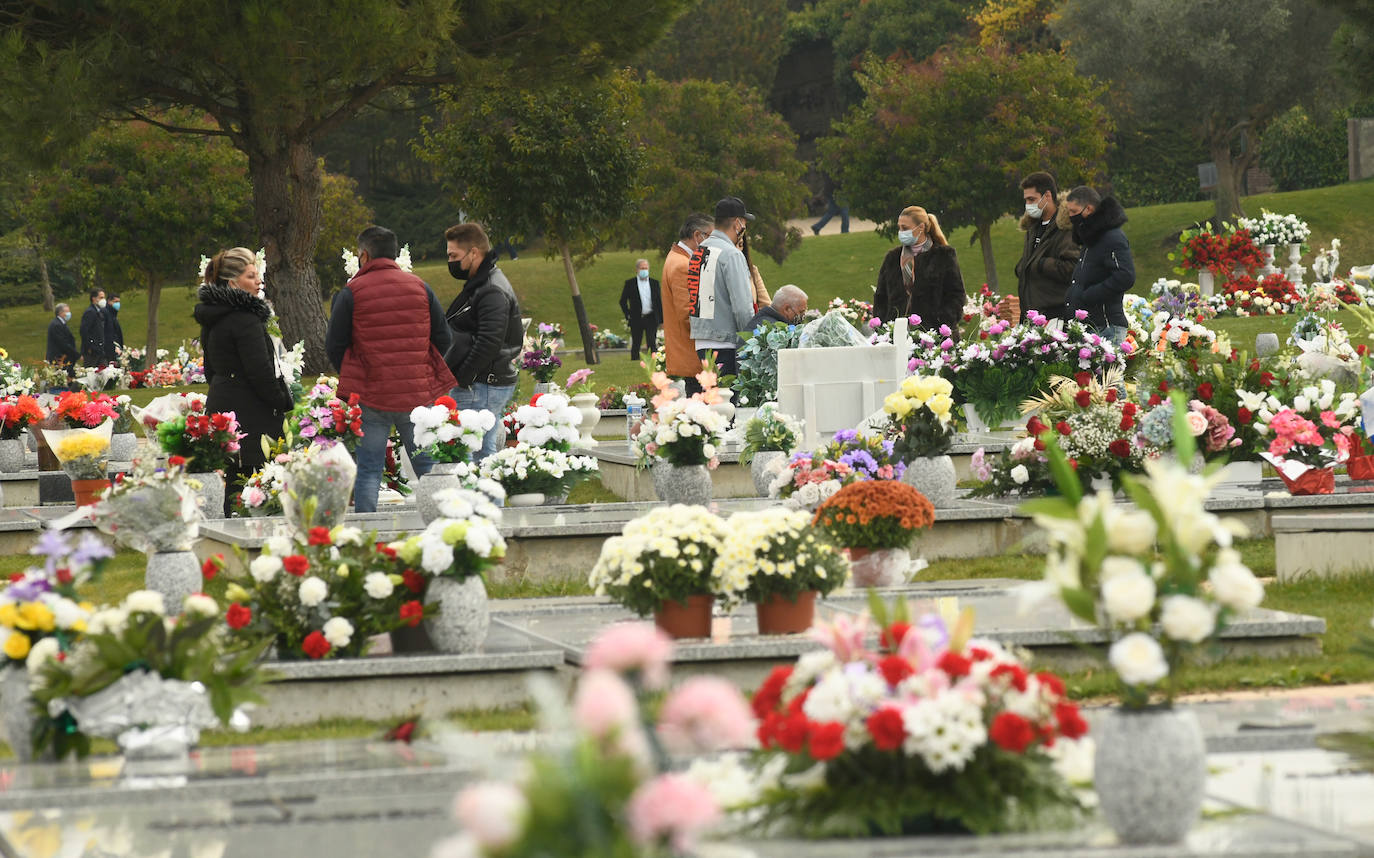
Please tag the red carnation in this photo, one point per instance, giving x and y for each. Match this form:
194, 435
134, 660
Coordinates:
827, 740
1051, 682
412, 612
954, 664
791, 732
210, 568
769, 694
238, 616
1011, 732
1129, 409
1121, 448
891, 638
1111, 394
894, 669
447, 402
1082, 378
1084, 398
1362, 349
1204, 391
1015, 671
315, 646
296, 564
886, 728
767, 730
64, 576
220, 422
1164, 387
1154, 400
977, 653
1064, 428
383, 548
414, 581
1071, 724
1243, 415
176, 461
1267, 379
319, 536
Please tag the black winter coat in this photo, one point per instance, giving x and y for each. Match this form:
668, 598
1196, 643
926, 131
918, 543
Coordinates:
1045, 270
114, 334
93, 336
937, 289
488, 335
239, 362
1105, 270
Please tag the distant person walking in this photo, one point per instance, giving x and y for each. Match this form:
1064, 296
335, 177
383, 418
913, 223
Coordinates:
721, 290
1050, 254
921, 275
679, 347
1105, 269
114, 333
833, 206
93, 330
642, 305
387, 336
62, 349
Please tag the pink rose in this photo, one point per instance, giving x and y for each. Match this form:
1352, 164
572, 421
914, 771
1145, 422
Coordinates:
639, 648
670, 808
704, 714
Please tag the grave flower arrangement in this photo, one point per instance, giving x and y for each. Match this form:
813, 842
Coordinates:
1022, 469
1271, 295
314, 593
1094, 425
526, 469
100, 378
84, 410
605, 338
151, 508
549, 420
464, 541
208, 441
682, 431
613, 397
667, 555
166, 407
852, 310
261, 493
18, 413
145, 677
447, 433
779, 554
13, 381
324, 417
875, 515
1315, 427
770, 431
1220, 252
1140, 572
1177, 299
808, 478
757, 381
934, 731
83, 453
539, 359
1272, 228
1214, 435
40, 608
580, 381
920, 417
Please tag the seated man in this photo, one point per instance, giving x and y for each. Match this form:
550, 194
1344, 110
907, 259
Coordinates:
789, 303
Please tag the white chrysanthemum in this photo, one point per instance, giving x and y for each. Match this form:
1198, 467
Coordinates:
313, 591
1128, 595
264, 568
42, 650
338, 631
829, 699
200, 605
108, 621
1184, 618
1233, 584
1138, 659
378, 585
145, 601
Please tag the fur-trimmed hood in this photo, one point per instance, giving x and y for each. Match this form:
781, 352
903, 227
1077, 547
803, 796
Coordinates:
218, 301
1061, 217
1109, 216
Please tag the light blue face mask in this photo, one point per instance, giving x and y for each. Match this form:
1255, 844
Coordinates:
115, 305
907, 237
642, 274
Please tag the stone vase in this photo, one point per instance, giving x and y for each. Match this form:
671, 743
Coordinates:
726, 406
1266, 344
211, 493
1294, 254
1150, 772
31, 440
174, 574
11, 455
689, 484
443, 475
525, 499
1268, 268
759, 469
1206, 282
585, 403
461, 624
878, 567
934, 477
543, 387
16, 713
123, 446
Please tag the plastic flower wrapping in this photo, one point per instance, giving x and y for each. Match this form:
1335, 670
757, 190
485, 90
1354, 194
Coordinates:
317, 486
447, 433
664, 556
167, 407
525, 469
83, 453
832, 330
146, 714
151, 509
464, 541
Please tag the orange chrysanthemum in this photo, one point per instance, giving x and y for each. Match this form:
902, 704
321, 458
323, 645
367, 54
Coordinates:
864, 501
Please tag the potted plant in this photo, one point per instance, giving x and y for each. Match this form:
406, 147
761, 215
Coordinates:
208, 442
529, 473
450, 436
922, 427
17, 413
664, 563
1164, 581
768, 437
85, 457
679, 439
1306, 438
874, 521
539, 359
786, 563
585, 401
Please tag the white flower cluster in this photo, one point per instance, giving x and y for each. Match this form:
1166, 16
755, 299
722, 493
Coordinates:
689, 535
1173, 329
350, 261
525, 466
1328, 262
552, 422
1271, 228
682, 419
435, 424
445, 541
752, 535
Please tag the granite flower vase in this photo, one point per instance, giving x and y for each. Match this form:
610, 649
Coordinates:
174, 574
760, 470
211, 493
123, 446
11, 455
689, 484
525, 499
1150, 772
688, 619
443, 475
461, 624
934, 477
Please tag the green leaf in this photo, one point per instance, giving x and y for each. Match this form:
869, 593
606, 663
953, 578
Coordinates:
1080, 602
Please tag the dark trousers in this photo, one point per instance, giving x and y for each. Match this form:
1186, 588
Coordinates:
648, 326
727, 362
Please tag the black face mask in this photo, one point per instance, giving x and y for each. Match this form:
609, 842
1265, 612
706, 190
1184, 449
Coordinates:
1077, 220
455, 269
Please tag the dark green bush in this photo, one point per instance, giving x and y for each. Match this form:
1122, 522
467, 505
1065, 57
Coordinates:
1299, 152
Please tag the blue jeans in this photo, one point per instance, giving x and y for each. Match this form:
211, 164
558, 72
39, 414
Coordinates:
485, 397
371, 454
1115, 333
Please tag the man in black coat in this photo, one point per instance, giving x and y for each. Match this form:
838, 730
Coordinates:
93, 330
643, 308
61, 344
1050, 254
114, 333
1105, 270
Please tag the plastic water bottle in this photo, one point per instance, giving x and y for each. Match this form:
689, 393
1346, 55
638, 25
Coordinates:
634, 413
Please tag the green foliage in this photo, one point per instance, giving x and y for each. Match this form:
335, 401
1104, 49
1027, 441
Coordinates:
769, 430
996, 392
345, 215
1019, 25
744, 44
1299, 152
1150, 165
704, 141
757, 381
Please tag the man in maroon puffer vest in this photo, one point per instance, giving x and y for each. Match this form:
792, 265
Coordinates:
387, 336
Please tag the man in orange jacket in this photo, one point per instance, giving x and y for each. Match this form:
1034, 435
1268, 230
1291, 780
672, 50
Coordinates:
682, 360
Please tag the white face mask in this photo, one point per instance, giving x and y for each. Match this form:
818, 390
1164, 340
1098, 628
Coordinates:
642, 274
101, 303
1034, 210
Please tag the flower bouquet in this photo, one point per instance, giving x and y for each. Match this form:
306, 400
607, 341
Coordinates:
1271, 295
318, 594
317, 485
580, 381
919, 417
166, 407
1094, 425
833, 330
1220, 253
324, 417
770, 431
84, 410
613, 398
13, 381
605, 338
18, 413
464, 542
525, 469
1022, 469
41, 604
1215, 436
934, 732
209, 441
538, 358
261, 493
807, 479
83, 453
664, 563
1271, 228
875, 521
151, 509
549, 421
786, 562
852, 310
1305, 439
682, 431
150, 680
448, 434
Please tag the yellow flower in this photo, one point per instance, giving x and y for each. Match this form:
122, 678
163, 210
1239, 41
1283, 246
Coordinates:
940, 405
9, 615
79, 444
910, 385
897, 405
36, 615
235, 593
17, 645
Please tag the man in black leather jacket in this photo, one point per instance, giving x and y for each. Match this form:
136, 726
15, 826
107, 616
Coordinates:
487, 332
1105, 270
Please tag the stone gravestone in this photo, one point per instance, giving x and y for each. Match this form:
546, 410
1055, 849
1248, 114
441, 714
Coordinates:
837, 388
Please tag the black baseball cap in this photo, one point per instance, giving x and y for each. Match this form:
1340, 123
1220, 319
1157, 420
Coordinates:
732, 207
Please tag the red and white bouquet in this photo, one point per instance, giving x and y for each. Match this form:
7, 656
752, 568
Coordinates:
450, 434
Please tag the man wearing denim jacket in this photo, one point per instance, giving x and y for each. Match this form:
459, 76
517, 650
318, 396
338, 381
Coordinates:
720, 288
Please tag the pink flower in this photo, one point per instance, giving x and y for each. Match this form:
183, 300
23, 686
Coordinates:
1330, 420
633, 648
705, 714
1080, 315
651, 448
978, 465
670, 808
875, 323
706, 379
913, 320
660, 380
493, 813
947, 344
604, 706
844, 636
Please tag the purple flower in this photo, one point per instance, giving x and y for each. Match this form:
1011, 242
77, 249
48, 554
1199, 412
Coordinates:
308, 430
91, 549
1045, 349
935, 631
52, 544
545, 328
1085, 353
844, 436
29, 588
1080, 315
914, 364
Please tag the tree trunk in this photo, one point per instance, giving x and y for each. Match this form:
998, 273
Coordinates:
1230, 174
583, 328
984, 231
44, 278
154, 296
287, 208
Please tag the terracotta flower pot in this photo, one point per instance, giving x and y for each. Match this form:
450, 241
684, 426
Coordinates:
779, 615
690, 619
87, 492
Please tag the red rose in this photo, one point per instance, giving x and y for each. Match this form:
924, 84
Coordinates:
894, 669
1011, 732
1121, 448
412, 612
1039, 445
1154, 400
352, 399
1204, 391
238, 616
1243, 415
791, 732
1082, 378
1267, 379
1129, 409
1084, 398
414, 581
315, 646
296, 564
886, 728
769, 694
1051, 682
176, 461
827, 740
210, 568
220, 422
891, 638
319, 536
1164, 387
1111, 394
1071, 724
1362, 349
954, 664
1073, 463
1064, 428
1034, 426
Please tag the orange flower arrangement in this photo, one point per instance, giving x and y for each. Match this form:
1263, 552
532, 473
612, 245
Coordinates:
875, 514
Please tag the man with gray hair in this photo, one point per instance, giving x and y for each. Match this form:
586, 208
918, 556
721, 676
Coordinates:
678, 346
643, 308
61, 343
789, 303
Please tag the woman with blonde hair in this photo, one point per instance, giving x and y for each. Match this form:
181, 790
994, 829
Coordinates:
921, 275
241, 363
